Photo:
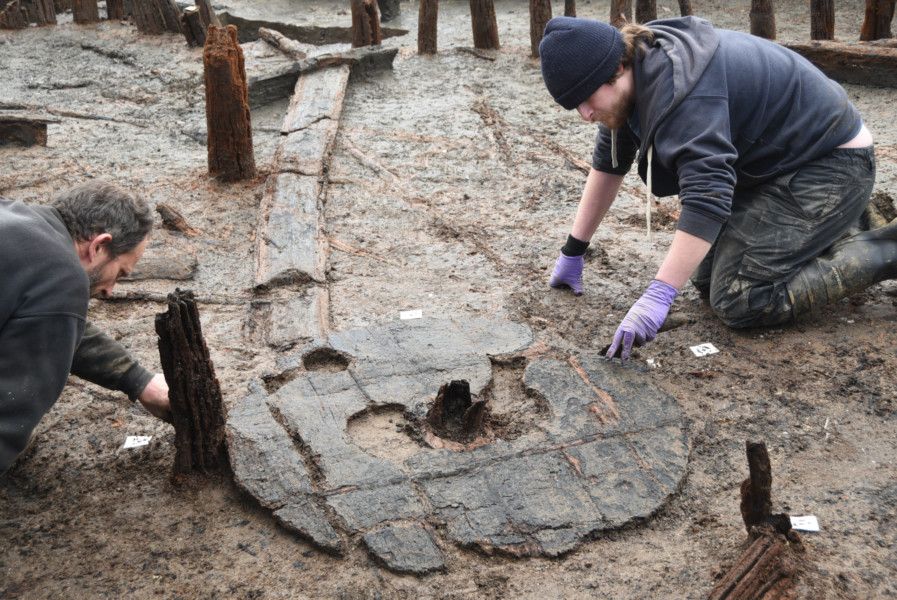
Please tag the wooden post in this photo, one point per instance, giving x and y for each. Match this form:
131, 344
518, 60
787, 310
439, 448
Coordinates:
12, 15
455, 415
685, 8
85, 11
365, 23
766, 570
620, 12
426, 26
207, 14
115, 9
389, 9
539, 15
40, 12
822, 19
877, 24
196, 407
569, 8
229, 127
60, 6
157, 16
763, 19
484, 24
191, 25
645, 10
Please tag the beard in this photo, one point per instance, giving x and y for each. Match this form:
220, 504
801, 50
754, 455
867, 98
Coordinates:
95, 277
616, 116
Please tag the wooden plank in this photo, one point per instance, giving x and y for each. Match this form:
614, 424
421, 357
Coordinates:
864, 63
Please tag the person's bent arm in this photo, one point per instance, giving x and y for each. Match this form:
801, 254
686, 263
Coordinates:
685, 254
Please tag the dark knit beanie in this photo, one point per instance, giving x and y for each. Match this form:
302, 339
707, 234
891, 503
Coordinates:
578, 57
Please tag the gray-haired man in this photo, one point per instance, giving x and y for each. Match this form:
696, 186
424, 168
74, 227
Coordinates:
52, 260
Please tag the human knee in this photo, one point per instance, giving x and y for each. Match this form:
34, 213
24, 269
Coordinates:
747, 304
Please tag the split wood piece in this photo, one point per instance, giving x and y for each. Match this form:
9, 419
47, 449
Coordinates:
292, 48
763, 19
389, 9
40, 12
230, 153
115, 9
12, 16
426, 26
865, 63
455, 415
822, 19
539, 16
756, 492
154, 17
645, 10
174, 220
365, 23
685, 8
317, 97
877, 22
207, 14
196, 405
484, 24
85, 11
620, 12
569, 8
191, 24
23, 131
766, 570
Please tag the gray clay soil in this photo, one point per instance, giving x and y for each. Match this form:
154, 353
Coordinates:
467, 189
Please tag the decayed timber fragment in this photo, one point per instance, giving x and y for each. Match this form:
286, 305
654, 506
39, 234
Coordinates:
230, 152
763, 19
539, 15
156, 16
196, 405
40, 12
455, 414
291, 48
426, 26
365, 23
85, 11
115, 9
620, 12
865, 63
12, 15
484, 24
23, 131
645, 10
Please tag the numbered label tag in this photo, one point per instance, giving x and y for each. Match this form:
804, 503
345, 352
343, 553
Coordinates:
411, 314
705, 349
806, 523
136, 441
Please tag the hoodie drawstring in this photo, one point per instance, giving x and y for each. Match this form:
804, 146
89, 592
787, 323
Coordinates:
613, 147
648, 199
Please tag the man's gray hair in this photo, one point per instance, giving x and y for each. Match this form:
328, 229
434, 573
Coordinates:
98, 207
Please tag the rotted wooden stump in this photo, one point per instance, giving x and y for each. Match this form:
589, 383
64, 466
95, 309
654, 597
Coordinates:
389, 9
426, 26
539, 16
85, 11
154, 17
455, 414
822, 19
196, 406
645, 10
763, 19
115, 9
12, 15
685, 8
60, 6
569, 8
620, 12
484, 24
365, 23
877, 21
230, 152
23, 131
40, 12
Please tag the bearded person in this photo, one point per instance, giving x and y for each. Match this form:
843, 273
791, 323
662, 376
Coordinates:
52, 260
772, 164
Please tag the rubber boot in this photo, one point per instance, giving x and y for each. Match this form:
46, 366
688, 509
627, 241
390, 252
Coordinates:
851, 265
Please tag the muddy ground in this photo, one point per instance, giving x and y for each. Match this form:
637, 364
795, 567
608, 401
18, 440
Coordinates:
467, 190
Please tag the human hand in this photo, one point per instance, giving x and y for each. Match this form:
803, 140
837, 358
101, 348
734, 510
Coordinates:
641, 323
567, 273
154, 398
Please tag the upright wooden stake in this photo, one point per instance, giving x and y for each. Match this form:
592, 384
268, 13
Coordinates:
12, 15
115, 9
877, 24
207, 14
763, 19
484, 24
191, 25
685, 8
645, 10
62, 5
426, 26
620, 12
365, 23
85, 11
569, 8
229, 127
389, 9
196, 407
539, 16
41, 12
822, 19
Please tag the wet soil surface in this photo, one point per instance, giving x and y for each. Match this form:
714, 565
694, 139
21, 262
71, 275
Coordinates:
453, 183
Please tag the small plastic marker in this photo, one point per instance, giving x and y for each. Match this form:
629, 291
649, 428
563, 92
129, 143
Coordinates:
806, 523
136, 441
411, 314
705, 349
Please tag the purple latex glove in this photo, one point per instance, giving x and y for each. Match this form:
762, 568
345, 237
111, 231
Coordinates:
567, 272
641, 323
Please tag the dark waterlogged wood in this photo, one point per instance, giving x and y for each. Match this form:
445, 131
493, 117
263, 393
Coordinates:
291, 48
196, 405
365, 23
207, 14
763, 19
115, 9
85, 11
766, 570
191, 25
645, 10
153, 17
230, 152
539, 15
172, 219
569, 8
822, 19
620, 12
877, 22
389, 9
12, 15
455, 414
685, 8
484, 24
428, 16
864, 63
756, 490
23, 131
61, 5
40, 12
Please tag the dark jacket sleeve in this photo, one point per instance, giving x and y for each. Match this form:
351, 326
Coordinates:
627, 145
34, 365
694, 141
103, 361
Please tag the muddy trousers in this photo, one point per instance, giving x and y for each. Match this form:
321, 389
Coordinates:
782, 248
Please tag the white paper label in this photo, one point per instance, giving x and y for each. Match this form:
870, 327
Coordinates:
705, 349
136, 441
806, 523
411, 314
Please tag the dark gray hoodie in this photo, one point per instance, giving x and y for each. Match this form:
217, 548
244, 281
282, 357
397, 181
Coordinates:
723, 109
